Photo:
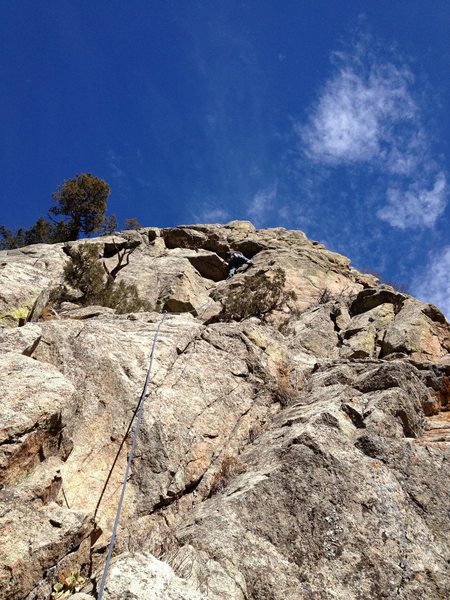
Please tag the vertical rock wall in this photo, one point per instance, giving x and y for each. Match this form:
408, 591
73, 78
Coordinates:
295, 443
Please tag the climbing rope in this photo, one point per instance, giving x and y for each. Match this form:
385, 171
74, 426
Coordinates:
137, 411
194, 312
140, 412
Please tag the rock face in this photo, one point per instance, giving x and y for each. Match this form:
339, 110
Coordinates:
301, 452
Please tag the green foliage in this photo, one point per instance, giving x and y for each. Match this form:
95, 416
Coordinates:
109, 225
124, 298
132, 223
257, 295
87, 274
42, 232
67, 585
81, 201
8, 239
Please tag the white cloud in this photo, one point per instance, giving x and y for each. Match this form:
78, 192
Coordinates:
434, 283
366, 115
260, 206
415, 206
355, 116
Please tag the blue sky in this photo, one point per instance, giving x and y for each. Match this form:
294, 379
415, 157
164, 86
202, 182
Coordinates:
330, 117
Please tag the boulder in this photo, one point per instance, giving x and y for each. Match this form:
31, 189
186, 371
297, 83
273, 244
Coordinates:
359, 343
21, 285
25, 274
412, 333
21, 340
143, 577
314, 332
183, 237
168, 282
208, 264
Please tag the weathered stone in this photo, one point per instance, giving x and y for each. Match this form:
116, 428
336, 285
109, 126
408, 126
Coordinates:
183, 237
34, 540
36, 404
22, 340
143, 577
215, 238
108, 245
168, 282
245, 226
341, 317
363, 333
358, 343
85, 312
25, 273
438, 428
21, 285
278, 457
378, 317
342, 497
412, 332
432, 311
314, 331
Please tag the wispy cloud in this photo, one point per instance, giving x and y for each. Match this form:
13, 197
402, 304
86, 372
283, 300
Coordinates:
261, 205
416, 205
354, 116
367, 116
433, 285
115, 162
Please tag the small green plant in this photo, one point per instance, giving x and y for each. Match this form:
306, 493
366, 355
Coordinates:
97, 284
259, 294
67, 585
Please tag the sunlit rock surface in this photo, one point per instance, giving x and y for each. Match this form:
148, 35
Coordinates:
299, 453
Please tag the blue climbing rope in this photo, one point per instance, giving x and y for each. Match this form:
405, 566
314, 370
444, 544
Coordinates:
130, 458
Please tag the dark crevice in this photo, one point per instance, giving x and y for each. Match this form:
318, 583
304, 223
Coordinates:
416, 501
356, 418
371, 446
164, 502
334, 321
29, 351
407, 431
48, 573
18, 437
